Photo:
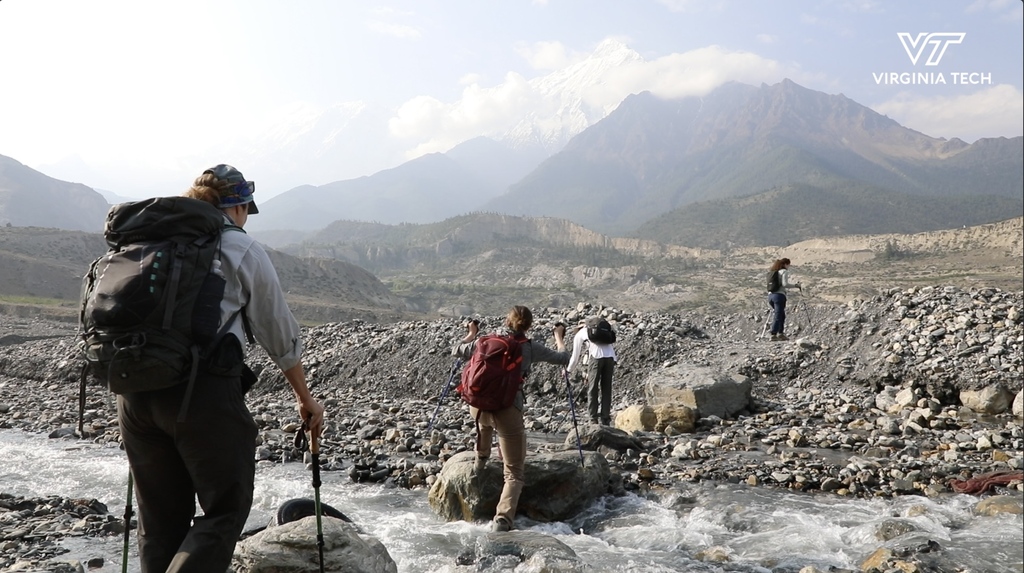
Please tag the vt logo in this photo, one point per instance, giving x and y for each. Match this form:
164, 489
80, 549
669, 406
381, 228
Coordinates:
939, 41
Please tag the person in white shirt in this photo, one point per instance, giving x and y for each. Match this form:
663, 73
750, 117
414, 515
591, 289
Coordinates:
600, 368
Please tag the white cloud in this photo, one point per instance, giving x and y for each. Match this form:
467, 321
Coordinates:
766, 38
430, 125
991, 112
440, 126
695, 72
547, 55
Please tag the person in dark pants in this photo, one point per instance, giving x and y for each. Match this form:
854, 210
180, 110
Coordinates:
600, 361
207, 453
777, 298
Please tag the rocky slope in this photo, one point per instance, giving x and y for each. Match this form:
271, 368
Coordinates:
907, 392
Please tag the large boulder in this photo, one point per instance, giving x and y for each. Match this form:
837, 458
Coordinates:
707, 391
292, 548
557, 487
636, 418
993, 399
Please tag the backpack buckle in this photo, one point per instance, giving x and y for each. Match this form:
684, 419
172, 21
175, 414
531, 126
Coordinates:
133, 341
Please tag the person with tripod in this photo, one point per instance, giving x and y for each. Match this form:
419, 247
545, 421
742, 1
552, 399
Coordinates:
508, 422
778, 281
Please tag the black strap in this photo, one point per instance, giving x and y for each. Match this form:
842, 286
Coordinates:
81, 398
191, 384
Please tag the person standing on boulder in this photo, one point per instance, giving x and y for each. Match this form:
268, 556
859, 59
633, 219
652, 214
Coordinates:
208, 452
600, 368
508, 422
778, 281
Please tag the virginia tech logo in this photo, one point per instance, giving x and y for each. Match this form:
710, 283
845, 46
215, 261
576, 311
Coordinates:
939, 41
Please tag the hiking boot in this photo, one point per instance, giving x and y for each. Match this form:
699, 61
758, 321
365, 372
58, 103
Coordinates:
775, 337
500, 524
780, 337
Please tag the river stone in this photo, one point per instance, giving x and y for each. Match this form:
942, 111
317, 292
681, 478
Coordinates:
534, 551
677, 417
1018, 404
557, 488
708, 391
292, 548
993, 399
1000, 504
594, 436
636, 418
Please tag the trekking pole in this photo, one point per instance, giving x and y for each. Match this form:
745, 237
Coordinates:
314, 451
444, 393
127, 524
767, 321
572, 409
807, 313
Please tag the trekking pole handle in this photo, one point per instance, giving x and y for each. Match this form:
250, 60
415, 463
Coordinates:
314, 444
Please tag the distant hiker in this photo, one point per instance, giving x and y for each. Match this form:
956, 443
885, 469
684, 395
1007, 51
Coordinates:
210, 454
778, 282
509, 421
597, 334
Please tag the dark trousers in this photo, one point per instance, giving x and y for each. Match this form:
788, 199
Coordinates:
777, 301
209, 455
599, 388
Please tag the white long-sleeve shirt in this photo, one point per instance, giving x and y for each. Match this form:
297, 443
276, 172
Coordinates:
786, 281
594, 350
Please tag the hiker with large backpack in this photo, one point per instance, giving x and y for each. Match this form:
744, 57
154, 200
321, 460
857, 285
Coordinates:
492, 385
181, 409
597, 334
778, 281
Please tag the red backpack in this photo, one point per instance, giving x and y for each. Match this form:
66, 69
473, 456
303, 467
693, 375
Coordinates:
493, 376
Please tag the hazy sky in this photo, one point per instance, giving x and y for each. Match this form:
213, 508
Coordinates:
114, 82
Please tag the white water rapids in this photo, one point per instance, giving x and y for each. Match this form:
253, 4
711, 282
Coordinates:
760, 529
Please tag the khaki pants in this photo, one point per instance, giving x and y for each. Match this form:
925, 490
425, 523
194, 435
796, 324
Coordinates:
512, 441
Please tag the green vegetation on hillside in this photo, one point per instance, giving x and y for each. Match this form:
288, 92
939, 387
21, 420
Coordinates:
796, 212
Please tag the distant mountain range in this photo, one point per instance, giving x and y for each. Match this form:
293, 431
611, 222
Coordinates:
29, 198
427, 189
651, 157
787, 162
743, 165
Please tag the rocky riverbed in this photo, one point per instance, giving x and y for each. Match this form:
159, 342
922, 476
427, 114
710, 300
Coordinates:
913, 392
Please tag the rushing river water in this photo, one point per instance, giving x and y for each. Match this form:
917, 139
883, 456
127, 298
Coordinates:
758, 528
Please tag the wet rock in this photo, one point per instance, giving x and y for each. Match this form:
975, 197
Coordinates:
557, 486
293, 547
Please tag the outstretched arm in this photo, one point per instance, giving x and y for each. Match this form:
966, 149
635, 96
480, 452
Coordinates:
309, 409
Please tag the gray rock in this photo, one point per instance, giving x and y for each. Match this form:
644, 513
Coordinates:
292, 548
708, 391
557, 486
